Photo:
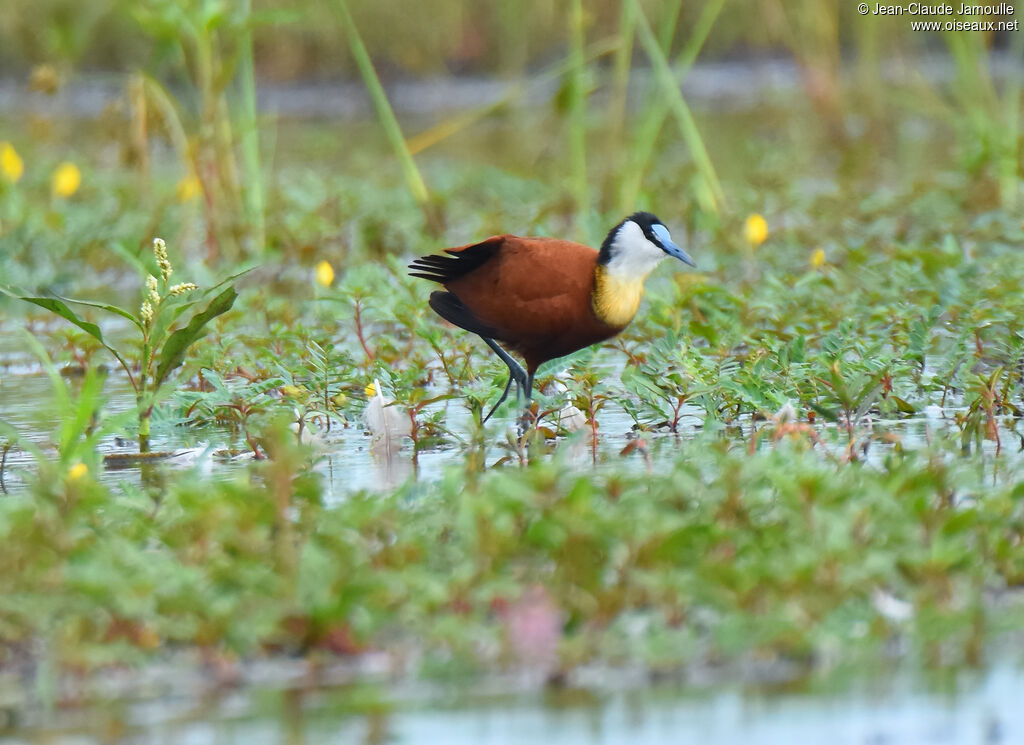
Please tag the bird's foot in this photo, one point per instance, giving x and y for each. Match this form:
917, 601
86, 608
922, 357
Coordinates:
527, 423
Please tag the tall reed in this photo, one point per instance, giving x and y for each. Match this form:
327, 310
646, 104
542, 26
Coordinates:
252, 187
988, 120
385, 114
711, 194
577, 120
645, 137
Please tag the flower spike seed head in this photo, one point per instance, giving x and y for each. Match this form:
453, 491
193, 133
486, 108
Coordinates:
181, 289
152, 288
146, 312
160, 251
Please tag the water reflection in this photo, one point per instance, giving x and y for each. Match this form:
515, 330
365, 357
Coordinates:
351, 459
900, 710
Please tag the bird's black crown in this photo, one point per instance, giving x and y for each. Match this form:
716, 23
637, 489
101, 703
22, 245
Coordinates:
644, 219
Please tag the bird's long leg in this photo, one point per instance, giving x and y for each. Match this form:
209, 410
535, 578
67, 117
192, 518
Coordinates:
515, 372
504, 395
526, 420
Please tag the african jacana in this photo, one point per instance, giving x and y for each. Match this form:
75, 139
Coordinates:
545, 297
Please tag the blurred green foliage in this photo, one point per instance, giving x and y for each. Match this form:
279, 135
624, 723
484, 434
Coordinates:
799, 504
441, 36
720, 555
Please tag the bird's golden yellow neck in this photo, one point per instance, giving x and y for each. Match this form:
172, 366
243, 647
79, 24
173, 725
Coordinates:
616, 298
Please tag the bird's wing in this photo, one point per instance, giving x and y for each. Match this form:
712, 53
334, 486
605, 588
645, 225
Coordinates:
460, 261
533, 288
450, 308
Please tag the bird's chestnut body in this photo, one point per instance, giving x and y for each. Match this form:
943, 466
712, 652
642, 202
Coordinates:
545, 297
536, 296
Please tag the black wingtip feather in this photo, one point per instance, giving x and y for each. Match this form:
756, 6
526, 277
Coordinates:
459, 262
450, 308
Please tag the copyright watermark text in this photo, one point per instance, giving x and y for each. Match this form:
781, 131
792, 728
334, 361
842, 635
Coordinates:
965, 17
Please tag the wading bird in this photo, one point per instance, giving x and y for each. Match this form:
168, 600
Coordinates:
545, 297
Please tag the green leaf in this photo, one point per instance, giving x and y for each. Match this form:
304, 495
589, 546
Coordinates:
828, 414
903, 406
104, 306
61, 309
177, 344
867, 397
58, 306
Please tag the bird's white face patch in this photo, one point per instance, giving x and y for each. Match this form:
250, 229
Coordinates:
633, 256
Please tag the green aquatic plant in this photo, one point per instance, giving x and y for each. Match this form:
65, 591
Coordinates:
213, 44
986, 115
323, 382
238, 404
577, 83
164, 341
663, 385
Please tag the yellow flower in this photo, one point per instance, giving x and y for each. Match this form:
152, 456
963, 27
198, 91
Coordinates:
324, 273
11, 165
66, 179
755, 230
188, 188
818, 258
370, 390
78, 471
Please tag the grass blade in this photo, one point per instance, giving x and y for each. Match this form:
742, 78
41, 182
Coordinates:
249, 135
620, 78
677, 105
1009, 165
413, 178
578, 115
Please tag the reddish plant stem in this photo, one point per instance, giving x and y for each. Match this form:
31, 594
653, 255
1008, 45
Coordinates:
359, 332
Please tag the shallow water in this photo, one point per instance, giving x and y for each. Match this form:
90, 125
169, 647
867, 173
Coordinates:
346, 456
979, 710
349, 462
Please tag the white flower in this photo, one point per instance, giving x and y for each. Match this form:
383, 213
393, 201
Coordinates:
151, 287
160, 251
182, 288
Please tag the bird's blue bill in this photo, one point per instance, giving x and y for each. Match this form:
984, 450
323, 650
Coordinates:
662, 234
